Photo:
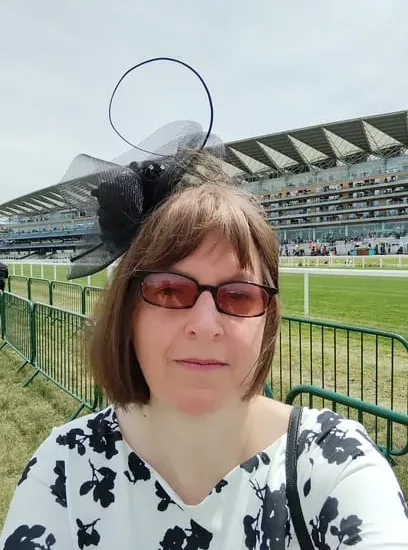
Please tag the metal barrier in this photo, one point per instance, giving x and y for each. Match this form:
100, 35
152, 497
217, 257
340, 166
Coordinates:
60, 355
66, 296
366, 364
90, 297
2, 316
361, 408
18, 285
39, 290
16, 325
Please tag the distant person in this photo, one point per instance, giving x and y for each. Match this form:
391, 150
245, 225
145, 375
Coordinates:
3, 275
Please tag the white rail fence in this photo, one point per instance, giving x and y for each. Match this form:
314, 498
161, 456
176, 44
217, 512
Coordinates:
397, 261
17, 267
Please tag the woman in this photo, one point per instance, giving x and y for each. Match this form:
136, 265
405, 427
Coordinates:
191, 456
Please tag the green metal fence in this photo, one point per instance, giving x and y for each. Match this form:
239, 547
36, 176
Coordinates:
361, 409
17, 329
59, 353
39, 290
90, 297
18, 285
68, 296
365, 364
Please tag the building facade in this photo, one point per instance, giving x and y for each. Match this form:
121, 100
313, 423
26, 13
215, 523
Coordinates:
345, 181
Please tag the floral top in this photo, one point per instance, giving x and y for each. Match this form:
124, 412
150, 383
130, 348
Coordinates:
86, 488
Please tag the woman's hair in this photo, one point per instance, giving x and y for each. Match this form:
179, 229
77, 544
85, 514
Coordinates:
207, 200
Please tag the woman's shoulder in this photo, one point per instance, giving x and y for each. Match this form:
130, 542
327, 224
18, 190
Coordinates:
95, 432
103, 422
85, 438
338, 466
323, 435
336, 438
331, 448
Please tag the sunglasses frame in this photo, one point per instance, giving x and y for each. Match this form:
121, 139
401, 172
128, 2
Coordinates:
141, 274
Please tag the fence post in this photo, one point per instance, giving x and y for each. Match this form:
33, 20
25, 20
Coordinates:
306, 295
83, 307
3, 316
33, 341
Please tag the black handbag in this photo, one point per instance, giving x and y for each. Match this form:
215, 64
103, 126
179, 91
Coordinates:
292, 494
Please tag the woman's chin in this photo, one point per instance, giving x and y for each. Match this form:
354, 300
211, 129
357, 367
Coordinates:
198, 403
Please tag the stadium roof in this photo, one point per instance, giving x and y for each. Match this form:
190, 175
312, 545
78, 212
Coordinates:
317, 147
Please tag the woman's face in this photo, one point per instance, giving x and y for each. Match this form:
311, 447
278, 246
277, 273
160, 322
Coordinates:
175, 347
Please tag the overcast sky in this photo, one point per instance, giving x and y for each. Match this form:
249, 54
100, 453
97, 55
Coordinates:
271, 66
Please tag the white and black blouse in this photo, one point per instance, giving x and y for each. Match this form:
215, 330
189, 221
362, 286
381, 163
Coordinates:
86, 488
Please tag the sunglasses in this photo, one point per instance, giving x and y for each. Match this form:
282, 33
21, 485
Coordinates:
174, 291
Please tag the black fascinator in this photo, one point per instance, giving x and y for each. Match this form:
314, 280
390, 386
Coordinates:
115, 197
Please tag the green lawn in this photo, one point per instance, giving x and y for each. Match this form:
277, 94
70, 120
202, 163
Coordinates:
377, 302
27, 417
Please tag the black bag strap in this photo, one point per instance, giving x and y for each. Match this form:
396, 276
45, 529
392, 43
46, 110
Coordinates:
292, 494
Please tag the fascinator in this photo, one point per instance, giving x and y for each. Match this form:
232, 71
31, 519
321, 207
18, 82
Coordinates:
115, 197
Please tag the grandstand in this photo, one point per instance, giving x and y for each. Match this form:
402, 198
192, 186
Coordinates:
342, 185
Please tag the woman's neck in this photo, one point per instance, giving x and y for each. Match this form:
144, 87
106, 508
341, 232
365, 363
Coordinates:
192, 453
224, 430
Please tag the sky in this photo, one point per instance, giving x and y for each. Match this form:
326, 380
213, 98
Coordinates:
271, 65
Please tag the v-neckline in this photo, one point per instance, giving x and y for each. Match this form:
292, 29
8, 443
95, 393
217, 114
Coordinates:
175, 497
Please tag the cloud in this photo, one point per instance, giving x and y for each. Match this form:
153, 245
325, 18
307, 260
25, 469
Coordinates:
271, 66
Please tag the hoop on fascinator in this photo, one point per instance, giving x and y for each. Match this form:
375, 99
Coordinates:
115, 198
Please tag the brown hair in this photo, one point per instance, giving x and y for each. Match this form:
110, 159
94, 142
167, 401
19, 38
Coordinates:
209, 201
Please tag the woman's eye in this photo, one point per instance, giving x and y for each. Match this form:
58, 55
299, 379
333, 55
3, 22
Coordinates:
237, 296
168, 291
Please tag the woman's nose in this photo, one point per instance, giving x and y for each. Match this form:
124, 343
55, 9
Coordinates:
204, 319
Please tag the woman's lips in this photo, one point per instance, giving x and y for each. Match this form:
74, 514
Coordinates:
201, 364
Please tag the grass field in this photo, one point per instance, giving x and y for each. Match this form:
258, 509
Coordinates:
27, 417
377, 302
29, 413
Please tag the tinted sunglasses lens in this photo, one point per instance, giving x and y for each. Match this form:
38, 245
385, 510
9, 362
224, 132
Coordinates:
169, 290
242, 299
